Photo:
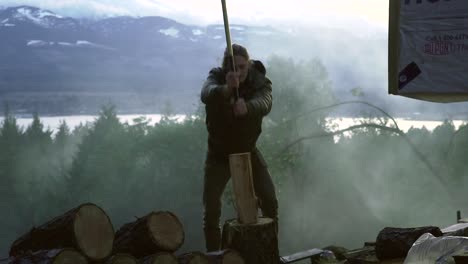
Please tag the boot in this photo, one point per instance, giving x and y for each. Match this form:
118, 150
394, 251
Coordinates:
213, 239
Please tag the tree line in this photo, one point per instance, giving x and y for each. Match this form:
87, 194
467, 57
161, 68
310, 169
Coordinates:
333, 188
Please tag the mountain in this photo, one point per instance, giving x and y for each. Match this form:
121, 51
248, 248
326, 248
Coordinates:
55, 64
44, 53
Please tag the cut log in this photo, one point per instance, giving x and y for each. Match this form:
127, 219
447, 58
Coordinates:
256, 243
153, 233
396, 242
226, 256
160, 258
121, 258
243, 188
52, 256
86, 228
195, 257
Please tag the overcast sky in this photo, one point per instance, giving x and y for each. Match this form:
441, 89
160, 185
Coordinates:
253, 12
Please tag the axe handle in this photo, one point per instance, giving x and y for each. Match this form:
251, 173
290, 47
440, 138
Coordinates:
228, 41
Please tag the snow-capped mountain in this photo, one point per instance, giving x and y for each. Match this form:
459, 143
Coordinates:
111, 53
44, 51
13, 16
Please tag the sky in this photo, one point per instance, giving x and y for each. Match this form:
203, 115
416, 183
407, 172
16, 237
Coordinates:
251, 12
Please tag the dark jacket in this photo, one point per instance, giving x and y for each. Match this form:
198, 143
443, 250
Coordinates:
227, 133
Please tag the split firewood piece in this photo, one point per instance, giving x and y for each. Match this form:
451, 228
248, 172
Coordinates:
242, 185
156, 232
86, 228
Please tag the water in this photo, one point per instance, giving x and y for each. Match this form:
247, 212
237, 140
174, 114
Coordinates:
53, 122
403, 123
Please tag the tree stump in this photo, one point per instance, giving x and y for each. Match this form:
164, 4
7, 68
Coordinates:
122, 259
160, 258
86, 228
193, 258
227, 256
396, 242
153, 233
52, 256
256, 243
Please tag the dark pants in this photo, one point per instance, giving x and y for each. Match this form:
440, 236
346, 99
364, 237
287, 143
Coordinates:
217, 174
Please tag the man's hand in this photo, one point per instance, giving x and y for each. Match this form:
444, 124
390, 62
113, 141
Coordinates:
232, 80
240, 108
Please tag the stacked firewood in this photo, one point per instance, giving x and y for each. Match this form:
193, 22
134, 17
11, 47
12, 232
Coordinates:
85, 235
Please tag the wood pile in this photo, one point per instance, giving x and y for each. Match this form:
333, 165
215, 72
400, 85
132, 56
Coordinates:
85, 235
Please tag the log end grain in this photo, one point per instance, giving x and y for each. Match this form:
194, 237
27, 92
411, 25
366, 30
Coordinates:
166, 229
94, 232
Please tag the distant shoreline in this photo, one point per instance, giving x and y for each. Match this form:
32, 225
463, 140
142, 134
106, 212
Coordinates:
52, 123
414, 117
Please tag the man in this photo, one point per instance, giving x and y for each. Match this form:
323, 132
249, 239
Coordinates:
234, 127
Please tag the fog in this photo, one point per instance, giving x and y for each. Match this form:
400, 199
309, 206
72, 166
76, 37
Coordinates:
333, 189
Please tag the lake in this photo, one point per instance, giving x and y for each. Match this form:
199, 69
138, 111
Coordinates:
53, 122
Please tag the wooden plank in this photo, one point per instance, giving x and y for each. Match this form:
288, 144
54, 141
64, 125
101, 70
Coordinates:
359, 252
308, 254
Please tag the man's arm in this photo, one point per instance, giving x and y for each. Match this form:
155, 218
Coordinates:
212, 89
261, 102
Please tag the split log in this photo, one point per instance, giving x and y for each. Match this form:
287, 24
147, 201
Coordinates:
153, 233
86, 228
52, 256
226, 256
122, 259
256, 243
160, 258
396, 242
195, 257
242, 185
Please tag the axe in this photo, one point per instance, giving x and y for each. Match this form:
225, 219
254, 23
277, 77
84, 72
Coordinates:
240, 165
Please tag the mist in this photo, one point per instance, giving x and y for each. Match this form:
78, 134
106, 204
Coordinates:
331, 192
333, 189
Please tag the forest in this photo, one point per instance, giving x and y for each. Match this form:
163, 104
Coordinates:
334, 188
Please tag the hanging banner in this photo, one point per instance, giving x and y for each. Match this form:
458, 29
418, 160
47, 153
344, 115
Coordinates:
428, 49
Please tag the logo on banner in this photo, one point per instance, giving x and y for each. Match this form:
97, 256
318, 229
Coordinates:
446, 43
438, 48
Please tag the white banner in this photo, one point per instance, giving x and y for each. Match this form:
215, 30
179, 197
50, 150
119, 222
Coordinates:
433, 46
